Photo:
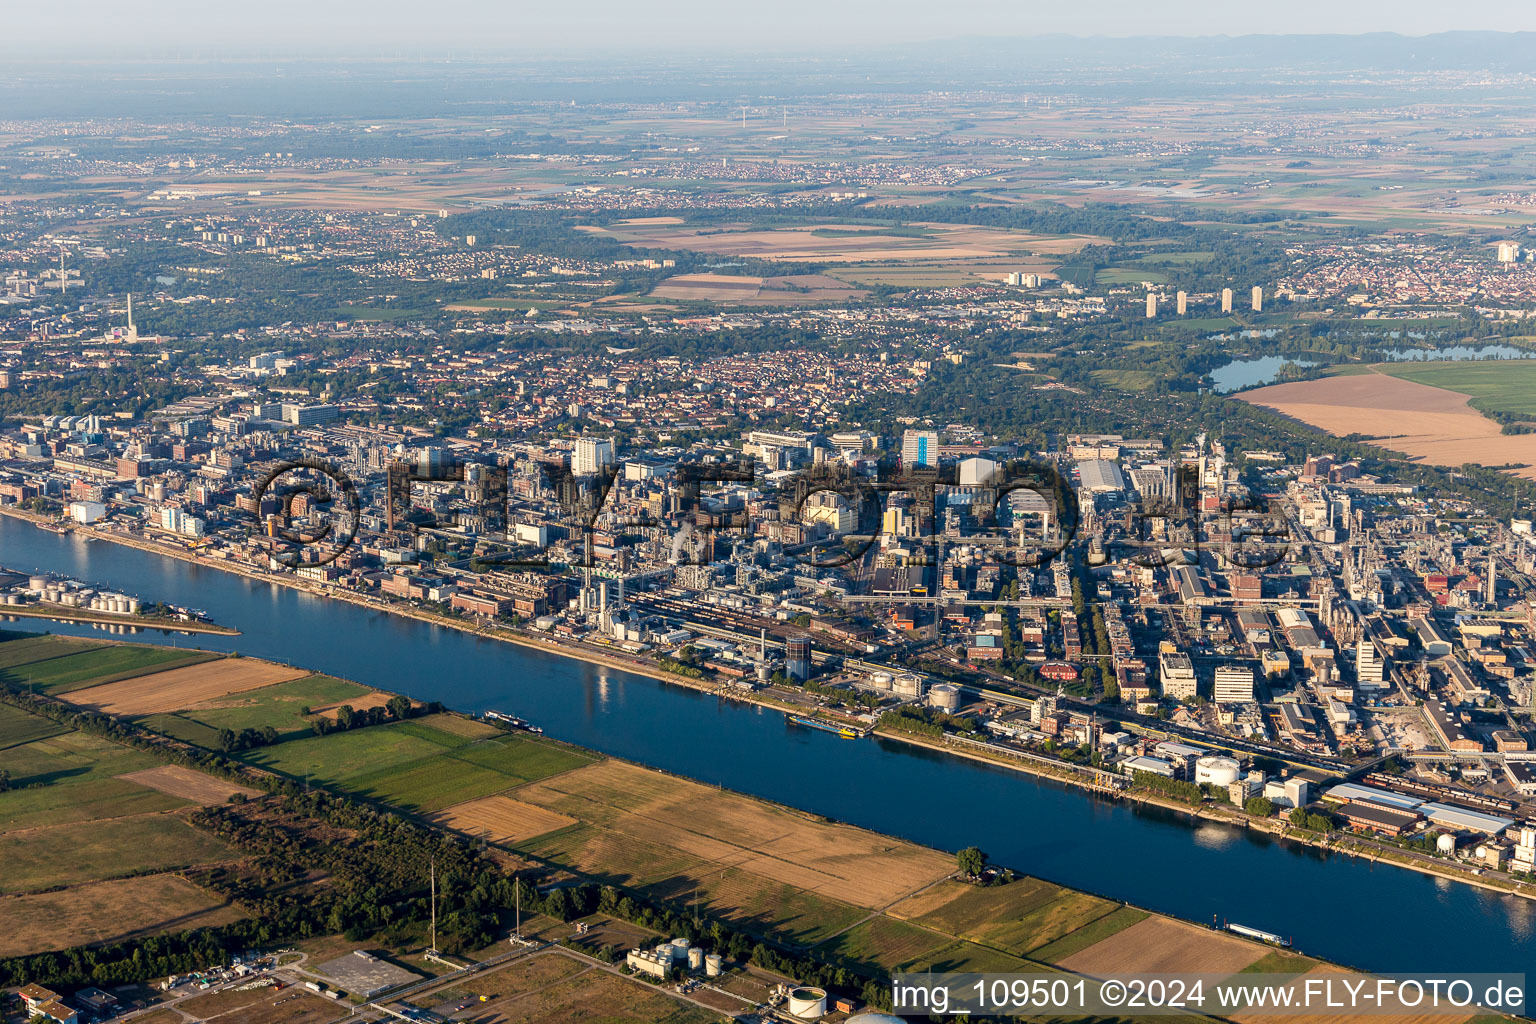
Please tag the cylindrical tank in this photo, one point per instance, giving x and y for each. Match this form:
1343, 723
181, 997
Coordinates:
695, 958
37, 582
807, 1003
944, 696
882, 680
714, 965
133, 605
679, 950
1446, 843
908, 684
1217, 770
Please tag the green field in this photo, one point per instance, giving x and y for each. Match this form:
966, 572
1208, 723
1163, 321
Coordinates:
886, 942
278, 706
75, 671
1503, 385
89, 850
1016, 918
1129, 275
21, 649
1125, 380
420, 765
18, 727
72, 777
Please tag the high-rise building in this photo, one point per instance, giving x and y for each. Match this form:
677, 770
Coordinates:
797, 657
1370, 667
1151, 305
920, 448
1181, 303
1258, 299
1509, 252
1226, 300
1233, 684
592, 454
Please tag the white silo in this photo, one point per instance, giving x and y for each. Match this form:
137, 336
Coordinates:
695, 958
714, 965
807, 1003
944, 697
1217, 770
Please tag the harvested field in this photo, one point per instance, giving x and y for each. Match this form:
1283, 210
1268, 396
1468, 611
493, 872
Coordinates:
107, 912
188, 783
1424, 423
634, 804
180, 689
838, 243
501, 819
1159, 945
708, 287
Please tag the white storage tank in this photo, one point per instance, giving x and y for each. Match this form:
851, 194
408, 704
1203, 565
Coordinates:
37, 582
1217, 770
882, 680
908, 684
1445, 843
714, 965
680, 950
807, 1003
695, 958
944, 696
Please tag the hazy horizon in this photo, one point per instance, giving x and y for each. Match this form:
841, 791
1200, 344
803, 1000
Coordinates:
185, 29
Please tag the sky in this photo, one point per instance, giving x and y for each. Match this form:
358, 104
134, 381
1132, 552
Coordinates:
215, 28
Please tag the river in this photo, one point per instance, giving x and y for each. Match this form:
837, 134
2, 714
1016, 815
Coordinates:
1376, 917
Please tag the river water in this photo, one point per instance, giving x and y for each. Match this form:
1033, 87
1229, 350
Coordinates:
1372, 916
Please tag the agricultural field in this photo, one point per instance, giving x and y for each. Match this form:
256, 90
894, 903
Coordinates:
74, 665
424, 764
73, 777
182, 688
633, 805
885, 941
279, 705
838, 243
500, 819
188, 784
1502, 385
18, 727
24, 648
105, 848
1017, 918
1425, 423
107, 912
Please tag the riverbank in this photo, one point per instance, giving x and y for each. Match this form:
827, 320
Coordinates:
63, 614
576, 650
1342, 844
704, 723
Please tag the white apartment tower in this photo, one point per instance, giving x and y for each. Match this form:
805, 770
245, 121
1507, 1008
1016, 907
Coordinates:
592, 454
